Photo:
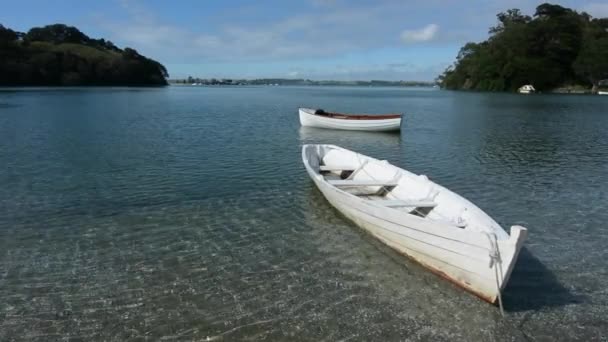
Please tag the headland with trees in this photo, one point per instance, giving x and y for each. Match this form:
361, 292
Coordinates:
61, 55
556, 48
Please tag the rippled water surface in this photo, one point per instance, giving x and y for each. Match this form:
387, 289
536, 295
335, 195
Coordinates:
185, 213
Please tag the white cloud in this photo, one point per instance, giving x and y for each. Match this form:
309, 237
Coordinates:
324, 2
316, 32
598, 10
425, 34
388, 71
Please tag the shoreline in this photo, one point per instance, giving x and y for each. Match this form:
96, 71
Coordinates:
301, 85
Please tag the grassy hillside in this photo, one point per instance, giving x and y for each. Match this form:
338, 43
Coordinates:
60, 55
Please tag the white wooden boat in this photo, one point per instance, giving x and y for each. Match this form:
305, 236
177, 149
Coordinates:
526, 89
602, 92
423, 220
322, 119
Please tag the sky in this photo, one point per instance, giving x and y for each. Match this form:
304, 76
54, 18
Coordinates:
314, 39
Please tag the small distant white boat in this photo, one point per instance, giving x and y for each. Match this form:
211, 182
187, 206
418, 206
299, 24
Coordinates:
526, 89
602, 92
421, 219
357, 122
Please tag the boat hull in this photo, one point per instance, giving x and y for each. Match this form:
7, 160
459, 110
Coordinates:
377, 125
526, 89
464, 258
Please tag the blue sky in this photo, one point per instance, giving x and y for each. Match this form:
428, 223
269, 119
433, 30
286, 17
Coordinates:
316, 39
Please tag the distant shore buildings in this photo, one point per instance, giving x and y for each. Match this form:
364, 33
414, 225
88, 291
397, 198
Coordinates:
192, 81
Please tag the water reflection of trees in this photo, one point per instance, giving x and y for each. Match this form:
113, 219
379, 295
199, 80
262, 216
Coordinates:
522, 132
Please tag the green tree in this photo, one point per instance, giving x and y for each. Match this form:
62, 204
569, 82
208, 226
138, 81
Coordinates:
57, 33
508, 19
592, 61
556, 46
7, 35
63, 55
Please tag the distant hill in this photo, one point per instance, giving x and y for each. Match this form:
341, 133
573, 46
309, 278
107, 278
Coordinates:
301, 82
557, 47
60, 55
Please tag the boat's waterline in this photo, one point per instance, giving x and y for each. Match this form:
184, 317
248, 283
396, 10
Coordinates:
479, 262
308, 118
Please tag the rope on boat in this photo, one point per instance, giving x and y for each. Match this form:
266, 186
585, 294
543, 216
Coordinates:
496, 261
363, 163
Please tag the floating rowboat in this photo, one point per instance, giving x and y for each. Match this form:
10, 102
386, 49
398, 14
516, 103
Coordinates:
436, 227
526, 89
323, 119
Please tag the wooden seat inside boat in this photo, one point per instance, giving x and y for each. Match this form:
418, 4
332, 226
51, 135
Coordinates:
335, 168
401, 203
359, 187
346, 172
352, 182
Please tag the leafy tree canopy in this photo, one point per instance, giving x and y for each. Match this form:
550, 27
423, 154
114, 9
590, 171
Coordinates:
557, 46
62, 55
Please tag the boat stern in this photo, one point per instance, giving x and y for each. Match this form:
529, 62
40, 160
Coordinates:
518, 234
509, 251
503, 257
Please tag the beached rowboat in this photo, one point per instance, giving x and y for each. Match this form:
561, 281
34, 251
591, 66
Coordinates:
417, 217
322, 119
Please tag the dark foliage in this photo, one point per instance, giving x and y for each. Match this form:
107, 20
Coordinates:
58, 55
556, 47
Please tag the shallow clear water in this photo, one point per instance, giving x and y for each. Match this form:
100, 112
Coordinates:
185, 213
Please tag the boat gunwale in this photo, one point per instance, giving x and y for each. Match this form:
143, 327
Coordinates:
412, 217
447, 226
345, 116
491, 299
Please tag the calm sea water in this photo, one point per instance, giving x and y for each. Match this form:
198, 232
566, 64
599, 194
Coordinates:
185, 213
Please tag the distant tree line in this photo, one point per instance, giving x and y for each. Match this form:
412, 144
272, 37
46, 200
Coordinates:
300, 82
556, 47
60, 55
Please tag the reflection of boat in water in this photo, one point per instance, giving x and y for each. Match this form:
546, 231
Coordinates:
413, 215
349, 138
354, 122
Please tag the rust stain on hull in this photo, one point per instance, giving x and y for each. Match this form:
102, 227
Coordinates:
490, 299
